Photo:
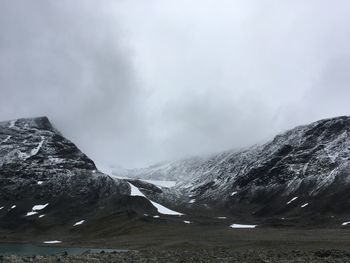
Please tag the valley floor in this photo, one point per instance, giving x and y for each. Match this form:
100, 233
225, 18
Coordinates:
177, 243
208, 255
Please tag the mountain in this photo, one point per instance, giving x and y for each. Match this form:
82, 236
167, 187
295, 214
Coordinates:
302, 176
46, 181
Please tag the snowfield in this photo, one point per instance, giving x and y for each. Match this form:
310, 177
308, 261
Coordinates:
242, 226
161, 209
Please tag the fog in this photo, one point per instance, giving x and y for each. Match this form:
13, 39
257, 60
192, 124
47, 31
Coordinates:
134, 83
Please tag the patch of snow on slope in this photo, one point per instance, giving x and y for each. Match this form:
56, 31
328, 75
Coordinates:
12, 207
52, 242
221, 217
292, 200
41, 216
135, 191
345, 223
6, 139
40, 182
161, 209
192, 201
79, 223
12, 124
233, 193
242, 226
187, 222
304, 205
37, 149
166, 211
31, 213
1, 208
39, 207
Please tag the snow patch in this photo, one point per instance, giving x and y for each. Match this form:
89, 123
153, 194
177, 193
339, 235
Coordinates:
39, 207
12, 124
156, 216
242, 226
345, 223
192, 201
79, 223
6, 139
233, 193
37, 149
221, 217
187, 222
40, 182
1, 208
41, 216
292, 200
161, 209
52, 242
31, 213
306, 204
12, 207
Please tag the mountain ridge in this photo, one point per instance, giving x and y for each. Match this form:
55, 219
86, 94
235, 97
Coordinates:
310, 163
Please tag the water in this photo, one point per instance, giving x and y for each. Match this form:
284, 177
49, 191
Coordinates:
31, 249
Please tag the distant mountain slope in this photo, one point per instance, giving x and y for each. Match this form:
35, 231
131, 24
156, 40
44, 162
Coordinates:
304, 172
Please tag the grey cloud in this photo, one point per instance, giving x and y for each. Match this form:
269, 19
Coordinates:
137, 82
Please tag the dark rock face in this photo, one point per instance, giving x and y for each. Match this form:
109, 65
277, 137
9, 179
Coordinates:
309, 163
38, 166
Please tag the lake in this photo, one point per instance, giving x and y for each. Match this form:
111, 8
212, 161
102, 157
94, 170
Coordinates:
32, 249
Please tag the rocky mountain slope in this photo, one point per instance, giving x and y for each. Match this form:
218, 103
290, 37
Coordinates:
301, 175
45, 180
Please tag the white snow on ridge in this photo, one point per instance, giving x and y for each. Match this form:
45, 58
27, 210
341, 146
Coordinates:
187, 222
12, 124
221, 217
292, 200
12, 207
161, 209
1, 208
41, 216
40, 182
6, 139
345, 223
36, 149
79, 223
52, 242
192, 201
242, 226
39, 207
233, 193
304, 205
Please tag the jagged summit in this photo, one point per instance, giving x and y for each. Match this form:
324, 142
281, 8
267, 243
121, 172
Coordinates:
41, 122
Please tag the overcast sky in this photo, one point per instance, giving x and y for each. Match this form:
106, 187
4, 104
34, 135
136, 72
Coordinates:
136, 82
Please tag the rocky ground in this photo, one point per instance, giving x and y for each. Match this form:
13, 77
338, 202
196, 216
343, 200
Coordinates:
211, 255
